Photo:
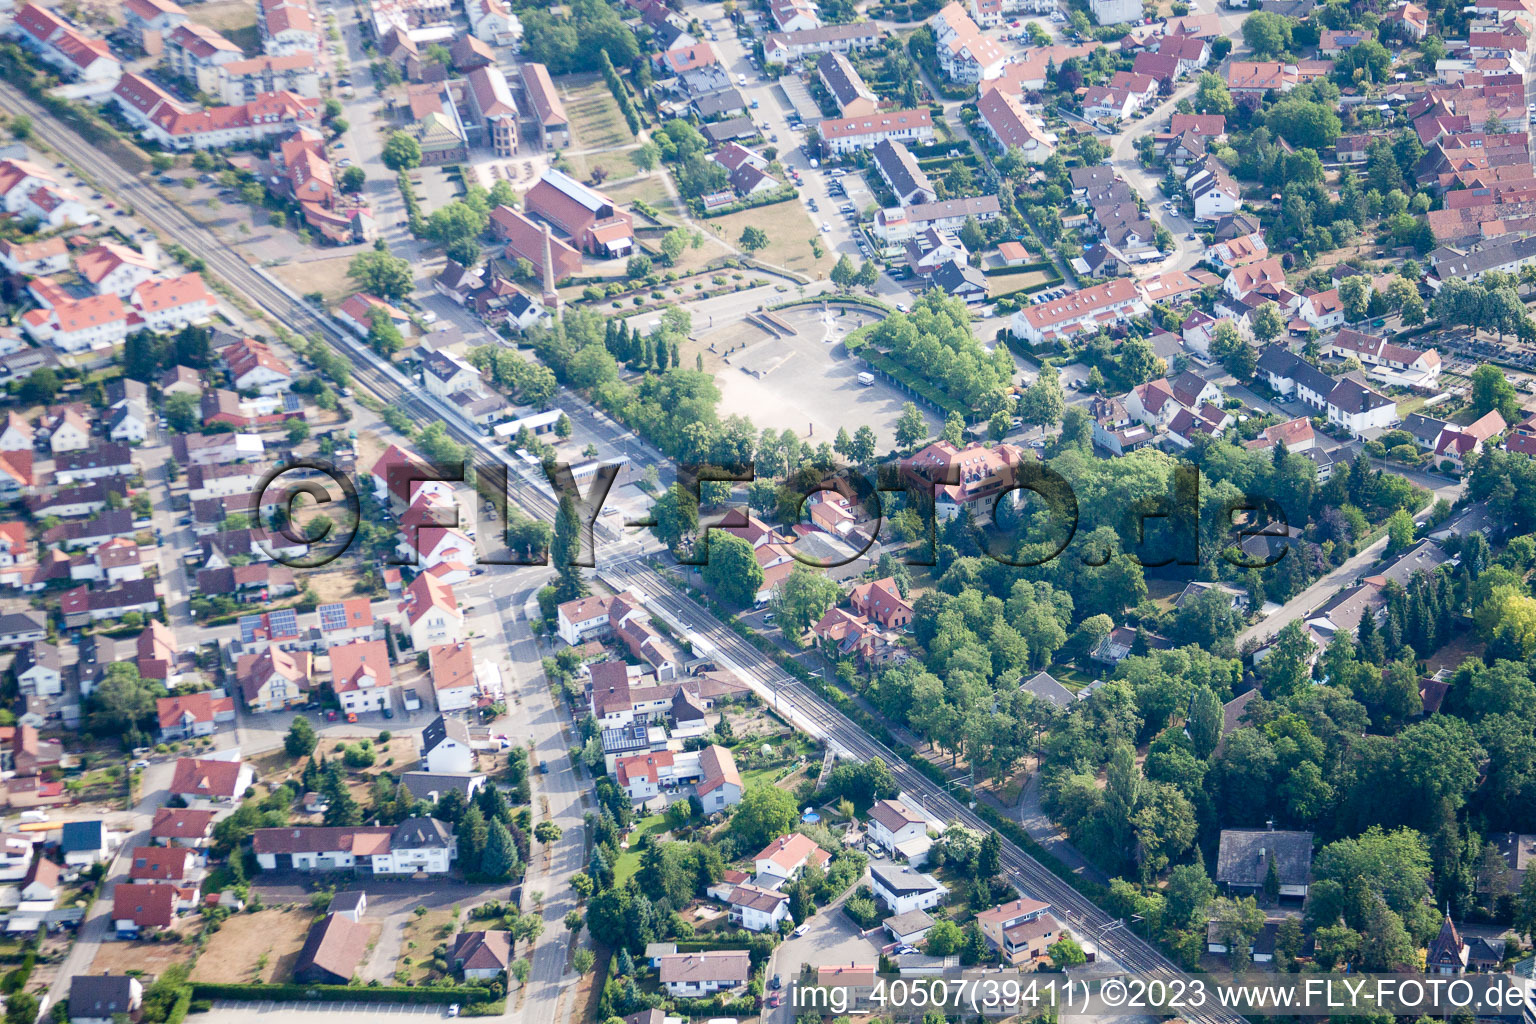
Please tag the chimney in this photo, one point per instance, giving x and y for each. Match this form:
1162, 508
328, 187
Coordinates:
551, 297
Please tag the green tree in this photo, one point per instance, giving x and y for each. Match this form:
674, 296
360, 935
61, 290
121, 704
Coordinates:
732, 570
1229, 348
753, 239
954, 429
182, 412
1355, 295
499, 862
1400, 530
802, 599
844, 274
353, 179
1043, 402
381, 274
677, 515
1267, 322
1065, 952
402, 152
296, 429
41, 386
1212, 95
1491, 391
122, 701
764, 813
300, 739
910, 427
944, 938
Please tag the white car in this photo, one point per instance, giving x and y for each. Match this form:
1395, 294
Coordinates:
802, 929
453, 1009
826, 227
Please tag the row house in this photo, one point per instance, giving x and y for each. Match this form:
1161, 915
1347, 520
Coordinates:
1422, 366
1126, 93
82, 605
75, 54
1255, 78
897, 225
35, 258
150, 21
847, 89
241, 81
269, 114
794, 15
1087, 309
287, 26
193, 47
415, 845
1213, 190
786, 47
31, 192
106, 460
901, 171
845, 135
78, 535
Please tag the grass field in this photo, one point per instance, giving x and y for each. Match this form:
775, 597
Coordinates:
423, 934
596, 122
629, 860
789, 230
150, 957
252, 947
651, 189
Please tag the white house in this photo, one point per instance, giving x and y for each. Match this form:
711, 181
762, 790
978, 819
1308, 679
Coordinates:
1358, 409
893, 825
432, 612
415, 845
453, 676
39, 670
903, 889
1323, 310
492, 21
785, 857
693, 975
445, 747
1213, 190
758, 909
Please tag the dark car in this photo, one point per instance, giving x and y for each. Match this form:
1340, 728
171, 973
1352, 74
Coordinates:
389, 712
543, 767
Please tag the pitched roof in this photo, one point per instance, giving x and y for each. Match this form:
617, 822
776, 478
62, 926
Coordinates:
205, 777
1244, 856
335, 945
181, 823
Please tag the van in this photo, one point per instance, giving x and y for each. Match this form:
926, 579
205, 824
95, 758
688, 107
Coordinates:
838, 172
867, 379
741, 80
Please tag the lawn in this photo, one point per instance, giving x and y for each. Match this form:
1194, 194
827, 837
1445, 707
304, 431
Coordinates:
596, 122
251, 947
1408, 406
789, 229
424, 933
326, 276
227, 15
629, 860
649, 188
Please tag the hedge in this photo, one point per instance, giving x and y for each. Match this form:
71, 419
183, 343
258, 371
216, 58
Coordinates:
1027, 268
917, 386
839, 300
462, 994
780, 195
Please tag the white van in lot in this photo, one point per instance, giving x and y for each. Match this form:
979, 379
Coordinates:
867, 379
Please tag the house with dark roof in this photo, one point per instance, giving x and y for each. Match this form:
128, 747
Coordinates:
900, 170
1044, 686
1246, 856
104, 998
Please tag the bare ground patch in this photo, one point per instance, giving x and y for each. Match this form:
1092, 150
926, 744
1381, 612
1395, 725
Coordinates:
259, 947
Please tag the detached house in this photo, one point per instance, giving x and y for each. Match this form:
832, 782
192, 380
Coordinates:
1021, 929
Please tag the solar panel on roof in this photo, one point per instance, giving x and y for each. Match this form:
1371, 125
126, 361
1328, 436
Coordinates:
332, 617
291, 402
249, 624
284, 622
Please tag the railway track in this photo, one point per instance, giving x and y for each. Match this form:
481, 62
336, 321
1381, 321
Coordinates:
1085, 918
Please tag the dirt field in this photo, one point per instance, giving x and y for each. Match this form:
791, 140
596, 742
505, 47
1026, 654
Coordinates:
596, 122
1007, 284
275, 767
333, 586
237, 948
150, 957
326, 276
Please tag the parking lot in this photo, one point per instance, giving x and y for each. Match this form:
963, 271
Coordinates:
807, 380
